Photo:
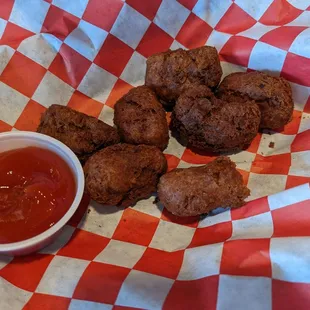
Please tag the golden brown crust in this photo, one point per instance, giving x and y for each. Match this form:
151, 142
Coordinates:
141, 119
199, 190
83, 134
208, 123
272, 94
171, 72
122, 174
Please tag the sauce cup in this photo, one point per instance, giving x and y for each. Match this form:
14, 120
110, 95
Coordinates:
16, 140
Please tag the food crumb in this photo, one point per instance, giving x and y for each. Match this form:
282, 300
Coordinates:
271, 145
99, 226
88, 211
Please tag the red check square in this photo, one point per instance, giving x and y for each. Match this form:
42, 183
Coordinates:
155, 40
253, 148
84, 245
32, 267
172, 161
307, 106
136, 227
293, 181
85, 104
102, 13
189, 4
200, 158
247, 257
245, 175
101, 283
275, 164
30, 118
282, 37
197, 294
119, 90
194, 33
23, 74
161, 263
4, 127
301, 142
70, 66
296, 69
279, 13
287, 295
244, 20
212, 234
113, 55
6, 9
47, 302
13, 35
237, 50
292, 127
252, 208
292, 220
146, 8
59, 22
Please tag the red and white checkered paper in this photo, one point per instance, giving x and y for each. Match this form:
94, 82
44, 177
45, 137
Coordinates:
86, 54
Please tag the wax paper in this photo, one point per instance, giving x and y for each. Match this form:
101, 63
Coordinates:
86, 54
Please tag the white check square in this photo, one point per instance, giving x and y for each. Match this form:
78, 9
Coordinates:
258, 226
120, 253
12, 103
237, 292
101, 221
171, 237
52, 90
267, 58
6, 53
290, 259
62, 276
29, 14
86, 39
300, 164
201, 262
171, 16
76, 7
301, 44
38, 49
12, 297
289, 197
262, 185
130, 26
255, 8
97, 83
144, 290
275, 144
134, 71
211, 11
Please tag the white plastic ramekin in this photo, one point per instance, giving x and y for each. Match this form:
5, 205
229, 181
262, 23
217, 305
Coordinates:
21, 139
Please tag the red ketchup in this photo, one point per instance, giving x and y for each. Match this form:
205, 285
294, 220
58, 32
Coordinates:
37, 188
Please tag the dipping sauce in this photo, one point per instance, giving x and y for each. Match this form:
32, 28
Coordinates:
37, 188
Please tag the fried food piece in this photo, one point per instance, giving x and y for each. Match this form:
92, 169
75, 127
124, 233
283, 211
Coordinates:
83, 134
199, 190
122, 174
171, 72
141, 119
272, 94
207, 123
